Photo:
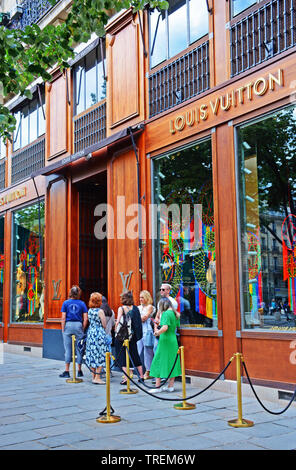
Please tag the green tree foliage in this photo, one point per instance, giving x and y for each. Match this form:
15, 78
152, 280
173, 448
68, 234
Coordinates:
29, 54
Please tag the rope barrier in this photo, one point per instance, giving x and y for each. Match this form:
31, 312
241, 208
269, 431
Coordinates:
260, 402
240, 422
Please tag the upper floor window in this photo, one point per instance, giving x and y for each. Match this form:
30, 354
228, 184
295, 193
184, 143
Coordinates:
89, 80
30, 122
2, 149
237, 6
173, 30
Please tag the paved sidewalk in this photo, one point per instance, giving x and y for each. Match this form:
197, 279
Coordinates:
39, 410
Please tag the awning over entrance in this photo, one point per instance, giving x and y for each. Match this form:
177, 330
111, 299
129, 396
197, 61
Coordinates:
88, 153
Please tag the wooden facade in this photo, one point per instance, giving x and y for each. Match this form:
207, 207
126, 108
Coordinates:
112, 167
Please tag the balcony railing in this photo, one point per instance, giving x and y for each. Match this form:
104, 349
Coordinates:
263, 34
180, 80
90, 128
33, 11
2, 173
26, 161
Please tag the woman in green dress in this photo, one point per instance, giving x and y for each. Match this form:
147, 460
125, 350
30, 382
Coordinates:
167, 348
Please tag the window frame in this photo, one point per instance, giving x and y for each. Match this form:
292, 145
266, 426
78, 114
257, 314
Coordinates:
232, 16
239, 124
18, 133
167, 34
214, 329
13, 211
82, 78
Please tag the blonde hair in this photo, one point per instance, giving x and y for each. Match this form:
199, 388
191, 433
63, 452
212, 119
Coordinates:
147, 296
95, 300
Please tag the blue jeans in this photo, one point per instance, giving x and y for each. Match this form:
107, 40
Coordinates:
72, 328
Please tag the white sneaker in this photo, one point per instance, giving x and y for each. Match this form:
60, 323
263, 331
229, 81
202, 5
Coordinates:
156, 390
165, 388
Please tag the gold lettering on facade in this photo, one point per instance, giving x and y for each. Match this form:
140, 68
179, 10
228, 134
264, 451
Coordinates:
260, 90
180, 123
13, 196
229, 100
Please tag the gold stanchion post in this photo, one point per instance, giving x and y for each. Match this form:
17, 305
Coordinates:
184, 405
127, 390
74, 380
239, 422
108, 418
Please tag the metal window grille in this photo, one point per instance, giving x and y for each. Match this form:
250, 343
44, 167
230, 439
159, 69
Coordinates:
180, 80
90, 128
33, 11
27, 160
2, 174
262, 34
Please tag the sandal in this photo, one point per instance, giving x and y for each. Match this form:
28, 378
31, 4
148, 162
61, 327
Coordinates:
123, 382
99, 383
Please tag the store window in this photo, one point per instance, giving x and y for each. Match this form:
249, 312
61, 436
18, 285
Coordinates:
173, 30
184, 237
90, 80
1, 265
267, 169
30, 122
237, 6
28, 264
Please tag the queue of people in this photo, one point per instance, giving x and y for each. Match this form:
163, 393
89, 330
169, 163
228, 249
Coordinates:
152, 335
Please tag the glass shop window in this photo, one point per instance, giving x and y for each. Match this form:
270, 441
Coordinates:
267, 184
237, 6
30, 122
90, 80
1, 265
28, 264
173, 30
185, 250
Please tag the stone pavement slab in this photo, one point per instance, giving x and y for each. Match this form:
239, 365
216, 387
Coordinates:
39, 411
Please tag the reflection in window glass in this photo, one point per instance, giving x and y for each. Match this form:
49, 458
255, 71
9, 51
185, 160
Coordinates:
172, 30
25, 125
199, 23
240, 5
177, 17
267, 151
1, 265
91, 79
90, 84
33, 121
28, 269
158, 38
2, 148
185, 253
41, 118
30, 123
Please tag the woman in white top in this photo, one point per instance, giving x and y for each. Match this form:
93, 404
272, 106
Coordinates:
147, 342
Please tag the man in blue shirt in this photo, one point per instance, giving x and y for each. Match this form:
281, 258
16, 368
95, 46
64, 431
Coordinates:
74, 322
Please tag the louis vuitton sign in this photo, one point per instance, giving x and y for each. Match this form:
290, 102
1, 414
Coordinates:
13, 196
222, 103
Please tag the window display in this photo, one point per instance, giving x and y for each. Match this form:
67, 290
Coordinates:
185, 254
268, 220
1, 265
28, 264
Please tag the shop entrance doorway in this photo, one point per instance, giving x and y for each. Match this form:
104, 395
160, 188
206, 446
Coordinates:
92, 251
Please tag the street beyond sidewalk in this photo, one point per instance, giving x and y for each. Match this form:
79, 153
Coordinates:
39, 410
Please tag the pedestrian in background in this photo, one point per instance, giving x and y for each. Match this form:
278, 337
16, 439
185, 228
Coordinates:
74, 322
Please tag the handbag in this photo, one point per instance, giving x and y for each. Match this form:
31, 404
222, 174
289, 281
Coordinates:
149, 339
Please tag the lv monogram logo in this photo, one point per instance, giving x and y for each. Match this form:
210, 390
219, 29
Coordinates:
56, 289
126, 280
